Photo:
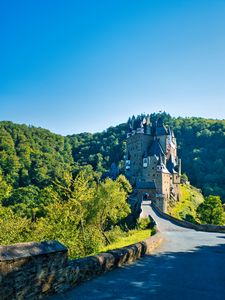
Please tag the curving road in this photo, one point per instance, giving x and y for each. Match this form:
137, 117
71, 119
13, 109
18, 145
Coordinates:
188, 265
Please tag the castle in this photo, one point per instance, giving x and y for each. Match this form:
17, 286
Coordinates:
151, 163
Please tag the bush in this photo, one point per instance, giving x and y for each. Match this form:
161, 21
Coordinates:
143, 223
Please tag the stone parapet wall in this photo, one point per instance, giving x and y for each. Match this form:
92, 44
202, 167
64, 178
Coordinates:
35, 270
186, 224
28, 270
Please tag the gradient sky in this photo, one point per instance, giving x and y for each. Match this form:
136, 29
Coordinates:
74, 66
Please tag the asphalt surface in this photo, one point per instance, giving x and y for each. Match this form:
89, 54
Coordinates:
188, 265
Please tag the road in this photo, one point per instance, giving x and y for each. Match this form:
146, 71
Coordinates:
188, 265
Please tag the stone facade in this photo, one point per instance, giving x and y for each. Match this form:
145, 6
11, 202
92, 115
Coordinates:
152, 165
35, 270
31, 270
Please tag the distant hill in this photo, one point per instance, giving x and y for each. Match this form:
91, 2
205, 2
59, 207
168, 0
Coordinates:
32, 156
35, 156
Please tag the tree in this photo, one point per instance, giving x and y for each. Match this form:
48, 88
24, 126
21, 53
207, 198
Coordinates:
13, 228
111, 203
5, 188
211, 211
30, 201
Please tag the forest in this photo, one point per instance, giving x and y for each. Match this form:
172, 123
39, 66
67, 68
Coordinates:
32, 156
52, 187
201, 147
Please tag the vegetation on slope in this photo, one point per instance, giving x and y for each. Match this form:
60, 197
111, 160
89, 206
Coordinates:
185, 209
85, 216
194, 208
123, 239
200, 146
35, 156
211, 211
44, 196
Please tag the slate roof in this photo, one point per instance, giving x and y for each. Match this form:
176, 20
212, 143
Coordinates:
160, 163
155, 149
170, 165
160, 128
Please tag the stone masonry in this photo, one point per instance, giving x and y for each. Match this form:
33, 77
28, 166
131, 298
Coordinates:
36, 270
151, 163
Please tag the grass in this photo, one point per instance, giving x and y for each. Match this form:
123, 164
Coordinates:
132, 236
185, 209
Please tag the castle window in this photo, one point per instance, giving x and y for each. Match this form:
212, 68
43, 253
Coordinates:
145, 162
127, 164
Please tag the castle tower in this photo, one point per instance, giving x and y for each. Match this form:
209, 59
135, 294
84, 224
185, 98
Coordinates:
151, 161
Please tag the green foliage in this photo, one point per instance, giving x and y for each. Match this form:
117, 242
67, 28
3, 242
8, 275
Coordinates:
48, 189
143, 223
123, 238
184, 177
185, 209
83, 218
13, 228
200, 146
35, 156
30, 201
211, 211
111, 205
5, 188
32, 156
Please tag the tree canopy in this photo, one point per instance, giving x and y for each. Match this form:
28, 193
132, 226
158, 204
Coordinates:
52, 187
31, 156
211, 211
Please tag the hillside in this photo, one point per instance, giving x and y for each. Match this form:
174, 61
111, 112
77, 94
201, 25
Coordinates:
200, 146
43, 198
185, 209
34, 156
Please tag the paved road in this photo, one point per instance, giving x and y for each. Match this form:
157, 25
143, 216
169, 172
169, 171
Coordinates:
188, 265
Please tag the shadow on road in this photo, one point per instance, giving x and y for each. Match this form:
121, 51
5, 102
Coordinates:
196, 274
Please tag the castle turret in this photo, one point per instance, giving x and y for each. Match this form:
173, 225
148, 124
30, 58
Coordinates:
160, 128
152, 158
148, 125
179, 164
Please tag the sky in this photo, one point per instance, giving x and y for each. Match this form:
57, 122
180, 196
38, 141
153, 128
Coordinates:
75, 66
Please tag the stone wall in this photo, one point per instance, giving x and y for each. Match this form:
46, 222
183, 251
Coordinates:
35, 270
28, 270
198, 227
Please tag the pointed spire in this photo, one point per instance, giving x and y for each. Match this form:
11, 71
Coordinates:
160, 122
160, 127
129, 125
148, 121
132, 121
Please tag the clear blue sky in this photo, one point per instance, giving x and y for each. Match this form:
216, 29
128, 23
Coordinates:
74, 66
